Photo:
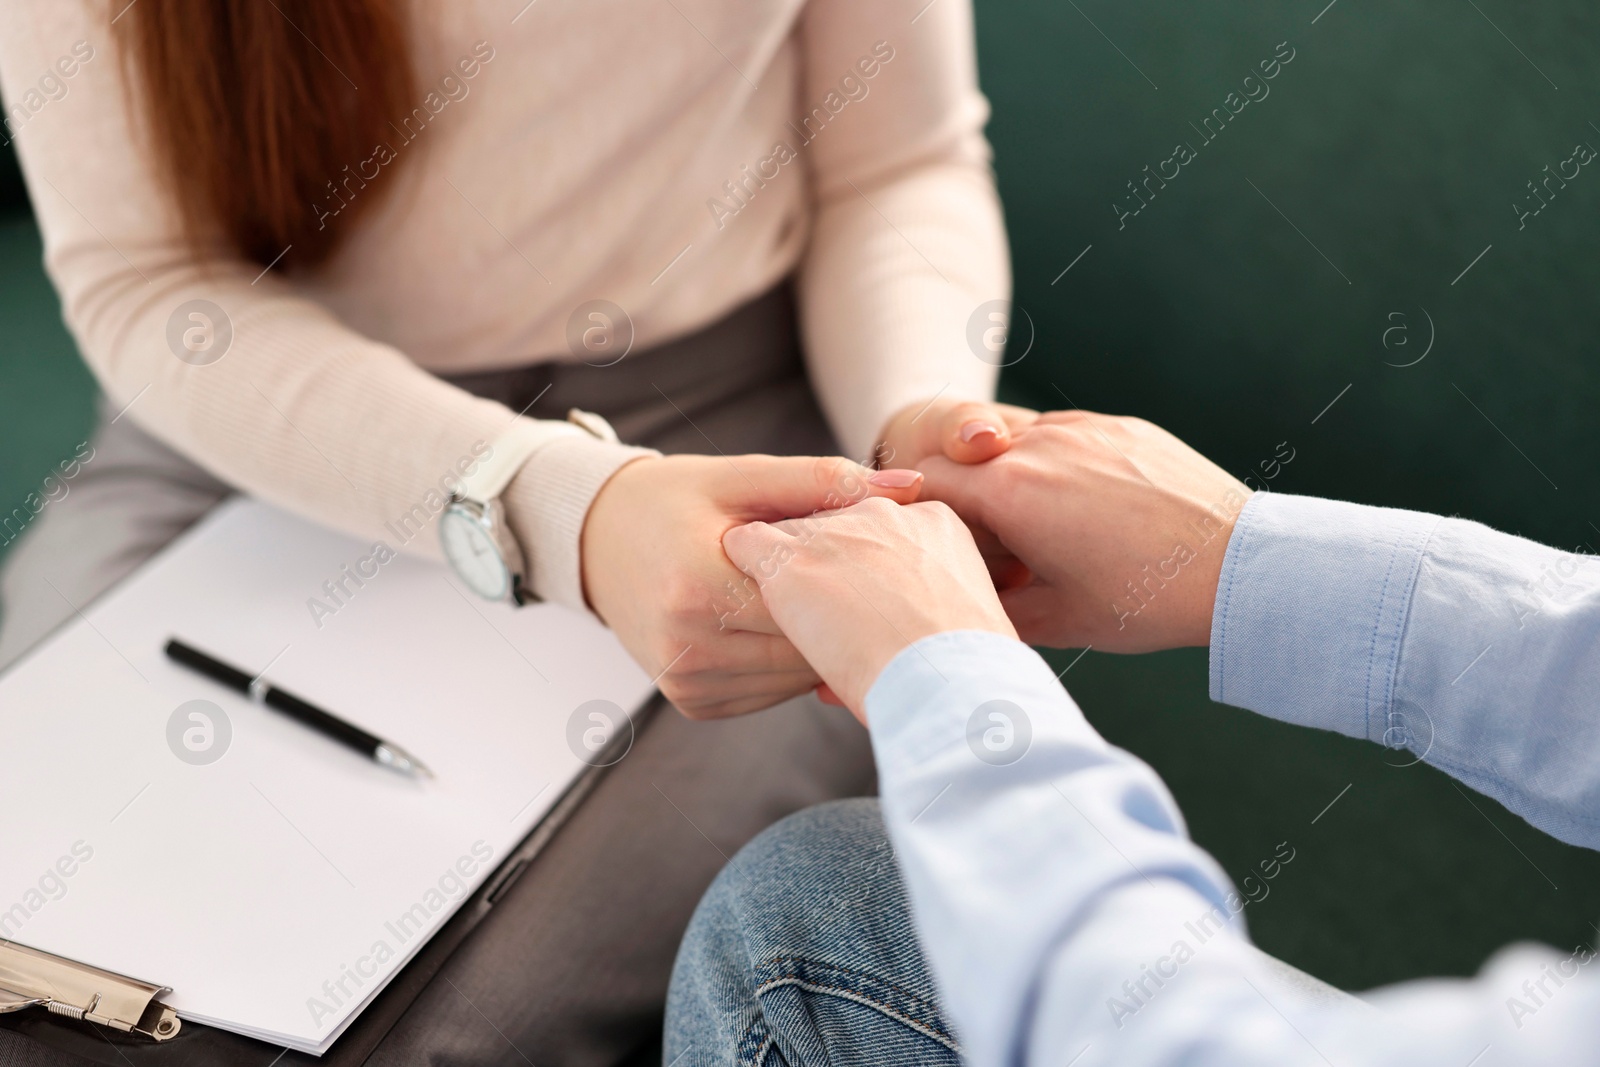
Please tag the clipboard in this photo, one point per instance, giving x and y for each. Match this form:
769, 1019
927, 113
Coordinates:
215, 898
197, 1045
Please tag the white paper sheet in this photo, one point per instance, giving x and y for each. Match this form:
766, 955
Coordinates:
277, 889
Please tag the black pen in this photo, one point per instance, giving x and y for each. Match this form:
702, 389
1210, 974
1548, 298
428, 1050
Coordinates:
385, 752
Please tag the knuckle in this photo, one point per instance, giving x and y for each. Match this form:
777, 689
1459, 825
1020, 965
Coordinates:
1008, 474
877, 506
1071, 431
682, 595
827, 469
690, 662
840, 475
688, 693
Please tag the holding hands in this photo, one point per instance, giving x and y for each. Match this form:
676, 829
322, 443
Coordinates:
852, 588
1101, 530
1119, 529
654, 569
1096, 530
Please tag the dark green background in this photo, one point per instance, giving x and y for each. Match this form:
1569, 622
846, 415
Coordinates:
1396, 142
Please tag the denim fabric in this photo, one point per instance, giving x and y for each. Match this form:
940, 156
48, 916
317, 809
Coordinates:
803, 953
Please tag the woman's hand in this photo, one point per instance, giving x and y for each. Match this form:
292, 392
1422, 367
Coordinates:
1120, 529
853, 588
655, 572
961, 430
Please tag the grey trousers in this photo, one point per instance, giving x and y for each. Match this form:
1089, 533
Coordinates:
572, 964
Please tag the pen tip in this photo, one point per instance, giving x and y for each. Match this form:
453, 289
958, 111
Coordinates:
402, 761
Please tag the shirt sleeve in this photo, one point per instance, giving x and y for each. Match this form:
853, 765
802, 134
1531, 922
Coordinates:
295, 407
1067, 918
1474, 650
907, 237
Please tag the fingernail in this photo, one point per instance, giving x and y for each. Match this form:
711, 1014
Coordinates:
978, 429
895, 478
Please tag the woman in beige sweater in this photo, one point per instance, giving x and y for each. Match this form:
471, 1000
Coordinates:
328, 253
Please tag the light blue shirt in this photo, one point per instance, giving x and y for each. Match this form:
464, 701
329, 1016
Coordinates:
1068, 918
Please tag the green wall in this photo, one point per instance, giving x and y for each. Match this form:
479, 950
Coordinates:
46, 394
1395, 142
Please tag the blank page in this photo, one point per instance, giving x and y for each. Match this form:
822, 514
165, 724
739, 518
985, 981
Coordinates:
277, 888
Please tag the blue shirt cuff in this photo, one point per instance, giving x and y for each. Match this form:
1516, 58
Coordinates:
1311, 610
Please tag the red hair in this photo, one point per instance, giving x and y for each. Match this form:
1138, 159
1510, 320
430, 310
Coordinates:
255, 106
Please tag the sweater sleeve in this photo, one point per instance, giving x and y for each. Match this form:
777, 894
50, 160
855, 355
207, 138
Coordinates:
907, 238
265, 388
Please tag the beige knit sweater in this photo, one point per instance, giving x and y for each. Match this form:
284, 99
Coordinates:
675, 157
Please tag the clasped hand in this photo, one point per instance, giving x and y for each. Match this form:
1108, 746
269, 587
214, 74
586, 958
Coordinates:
1089, 530
655, 571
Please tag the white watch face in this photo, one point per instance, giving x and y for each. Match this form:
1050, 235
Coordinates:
473, 553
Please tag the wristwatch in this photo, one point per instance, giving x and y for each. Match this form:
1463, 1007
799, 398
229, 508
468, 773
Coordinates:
477, 540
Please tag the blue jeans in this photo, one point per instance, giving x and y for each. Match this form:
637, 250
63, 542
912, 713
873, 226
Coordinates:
802, 952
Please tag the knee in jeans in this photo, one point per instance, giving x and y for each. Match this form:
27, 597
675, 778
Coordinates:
817, 835
778, 887
828, 843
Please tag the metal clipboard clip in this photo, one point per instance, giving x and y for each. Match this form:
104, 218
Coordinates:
30, 978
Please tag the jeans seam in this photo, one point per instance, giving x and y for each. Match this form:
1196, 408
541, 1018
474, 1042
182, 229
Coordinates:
776, 963
758, 1033
860, 986
862, 998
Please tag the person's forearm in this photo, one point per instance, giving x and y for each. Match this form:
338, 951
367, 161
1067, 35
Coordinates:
303, 412
1065, 915
1445, 640
1016, 827
1067, 918
907, 239
885, 312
